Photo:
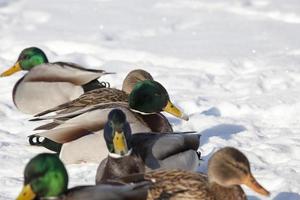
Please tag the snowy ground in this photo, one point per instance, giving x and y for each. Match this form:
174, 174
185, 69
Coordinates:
232, 65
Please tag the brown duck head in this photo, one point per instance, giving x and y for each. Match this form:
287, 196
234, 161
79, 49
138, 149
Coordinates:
133, 77
229, 167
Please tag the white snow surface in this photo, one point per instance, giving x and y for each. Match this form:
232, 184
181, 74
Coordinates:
232, 65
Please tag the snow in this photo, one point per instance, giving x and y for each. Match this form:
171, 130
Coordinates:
232, 65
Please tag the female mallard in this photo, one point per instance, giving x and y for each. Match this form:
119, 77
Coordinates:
72, 129
138, 87
129, 154
228, 168
49, 84
45, 177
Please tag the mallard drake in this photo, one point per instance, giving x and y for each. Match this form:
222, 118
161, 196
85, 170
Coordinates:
111, 97
73, 129
45, 177
228, 168
129, 154
121, 159
49, 84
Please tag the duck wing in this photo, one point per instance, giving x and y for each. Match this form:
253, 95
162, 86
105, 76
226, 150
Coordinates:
76, 127
63, 72
93, 97
170, 151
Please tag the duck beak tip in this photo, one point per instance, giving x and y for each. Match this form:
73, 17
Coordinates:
252, 183
185, 117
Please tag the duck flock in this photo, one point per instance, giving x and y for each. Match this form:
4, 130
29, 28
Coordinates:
123, 130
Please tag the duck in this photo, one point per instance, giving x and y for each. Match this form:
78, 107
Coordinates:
46, 84
133, 77
77, 135
228, 168
45, 177
138, 87
110, 97
135, 153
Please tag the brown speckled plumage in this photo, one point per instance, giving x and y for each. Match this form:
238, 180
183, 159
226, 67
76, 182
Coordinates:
93, 97
178, 184
102, 95
228, 168
234, 193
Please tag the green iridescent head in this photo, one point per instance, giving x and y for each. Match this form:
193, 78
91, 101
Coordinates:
151, 97
44, 176
29, 58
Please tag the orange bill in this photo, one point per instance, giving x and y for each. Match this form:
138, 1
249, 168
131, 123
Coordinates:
251, 182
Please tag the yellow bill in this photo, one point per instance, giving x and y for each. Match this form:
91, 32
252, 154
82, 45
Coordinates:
173, 110
12, 70
26, 193
251, 182
120, 144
